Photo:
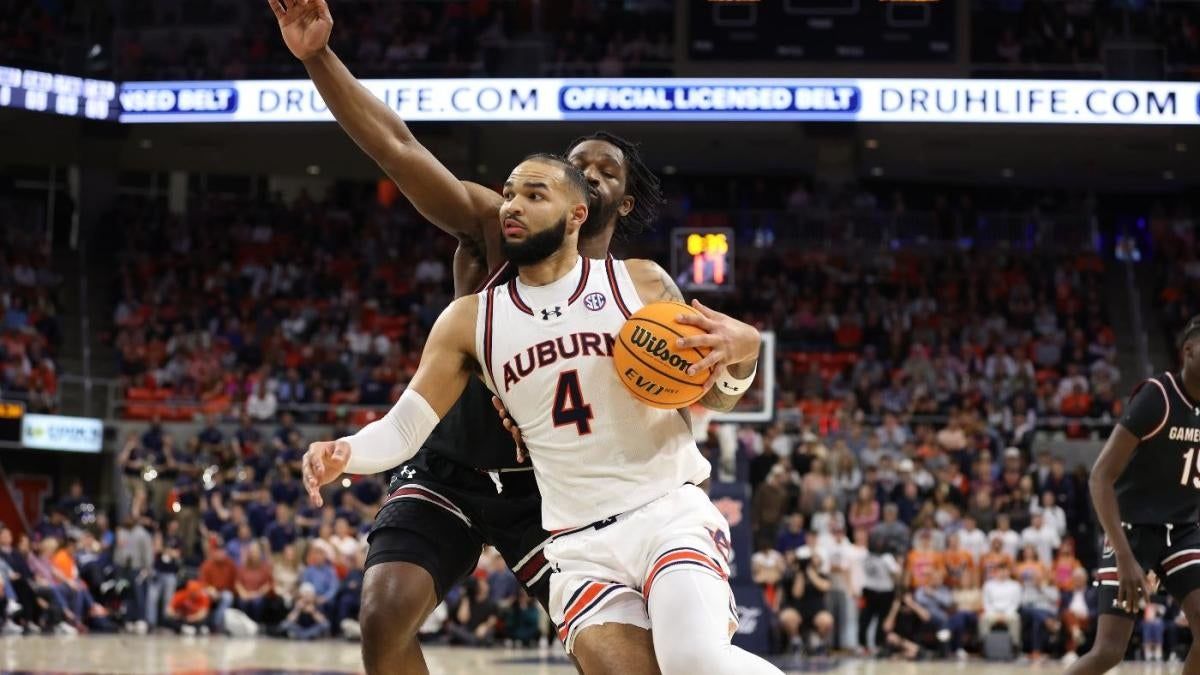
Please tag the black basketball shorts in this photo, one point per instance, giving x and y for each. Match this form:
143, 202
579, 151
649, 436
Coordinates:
1173, 554
439, 514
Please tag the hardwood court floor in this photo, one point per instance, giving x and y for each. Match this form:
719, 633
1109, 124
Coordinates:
128, 654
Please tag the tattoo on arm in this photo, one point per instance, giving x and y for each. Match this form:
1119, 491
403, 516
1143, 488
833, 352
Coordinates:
667, 288
718, 401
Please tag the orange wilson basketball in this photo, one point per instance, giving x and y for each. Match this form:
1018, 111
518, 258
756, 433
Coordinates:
652, 367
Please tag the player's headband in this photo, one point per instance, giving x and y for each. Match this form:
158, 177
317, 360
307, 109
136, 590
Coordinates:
1191, 330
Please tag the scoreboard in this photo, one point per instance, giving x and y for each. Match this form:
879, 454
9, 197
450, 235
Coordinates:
11, 414
66, 95
702, 258
822, 30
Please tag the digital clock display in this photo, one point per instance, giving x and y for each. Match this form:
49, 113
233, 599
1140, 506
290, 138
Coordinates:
11, 414
702, 258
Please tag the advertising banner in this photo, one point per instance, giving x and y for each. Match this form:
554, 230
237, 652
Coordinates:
899, 100
56, 432
679, 100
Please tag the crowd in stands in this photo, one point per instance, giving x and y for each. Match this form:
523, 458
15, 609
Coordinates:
1172, 234
36, 34
215, 534
465, 38
320, 310
1056, 32
909, 389
281, 308
30, 334
597, 39
871, 539
445, 39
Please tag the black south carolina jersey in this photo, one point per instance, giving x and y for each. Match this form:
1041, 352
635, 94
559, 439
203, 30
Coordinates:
1161, 484
471, 433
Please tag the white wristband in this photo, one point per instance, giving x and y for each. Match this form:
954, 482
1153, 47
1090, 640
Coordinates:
728, 384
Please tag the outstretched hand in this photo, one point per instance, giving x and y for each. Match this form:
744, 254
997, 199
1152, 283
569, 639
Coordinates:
511, 425
323, 463
728, 340
305, 24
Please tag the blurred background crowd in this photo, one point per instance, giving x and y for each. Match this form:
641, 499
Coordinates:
941, 335
898, 504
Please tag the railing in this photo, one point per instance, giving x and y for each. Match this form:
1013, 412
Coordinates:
325, 413
1045, 423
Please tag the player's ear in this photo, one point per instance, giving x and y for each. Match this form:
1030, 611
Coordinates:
577, 216
627, 204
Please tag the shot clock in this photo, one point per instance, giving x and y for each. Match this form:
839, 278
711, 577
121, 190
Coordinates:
11, 414
702, 258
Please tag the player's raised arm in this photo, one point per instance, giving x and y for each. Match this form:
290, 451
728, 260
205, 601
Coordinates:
733, 345
458, 207
446, 363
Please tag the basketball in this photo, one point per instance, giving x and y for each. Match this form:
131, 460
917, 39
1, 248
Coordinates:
651, 366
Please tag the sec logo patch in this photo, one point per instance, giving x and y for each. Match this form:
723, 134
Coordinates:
594, 301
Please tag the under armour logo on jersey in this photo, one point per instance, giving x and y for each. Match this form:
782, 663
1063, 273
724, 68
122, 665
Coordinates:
546, 313
407, 472
594, 301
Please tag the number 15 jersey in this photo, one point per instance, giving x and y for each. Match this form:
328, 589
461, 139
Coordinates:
547, 353
1161, 484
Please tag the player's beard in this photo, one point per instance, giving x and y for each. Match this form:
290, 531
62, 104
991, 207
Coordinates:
600, 213
536, 247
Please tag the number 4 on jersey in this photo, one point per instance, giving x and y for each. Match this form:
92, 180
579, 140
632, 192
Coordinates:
569, 407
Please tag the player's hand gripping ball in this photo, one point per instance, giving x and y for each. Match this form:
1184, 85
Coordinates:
652, 366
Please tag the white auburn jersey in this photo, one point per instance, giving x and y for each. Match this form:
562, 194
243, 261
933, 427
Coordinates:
547, 353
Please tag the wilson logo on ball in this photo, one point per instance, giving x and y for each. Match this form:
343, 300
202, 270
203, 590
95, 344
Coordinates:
647, 363
657, 347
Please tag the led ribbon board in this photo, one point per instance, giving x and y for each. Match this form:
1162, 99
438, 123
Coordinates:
676, 100
630, 99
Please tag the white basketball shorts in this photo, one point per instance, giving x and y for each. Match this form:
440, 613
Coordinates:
605, 573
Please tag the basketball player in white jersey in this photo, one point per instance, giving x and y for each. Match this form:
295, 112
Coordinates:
635, 541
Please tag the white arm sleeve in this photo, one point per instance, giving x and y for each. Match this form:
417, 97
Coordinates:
394, 438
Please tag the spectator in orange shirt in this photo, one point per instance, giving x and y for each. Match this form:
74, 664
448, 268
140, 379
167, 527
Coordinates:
1078, 403
218, 575
995, 558
189, 609
64, 561
923, 561
958, 562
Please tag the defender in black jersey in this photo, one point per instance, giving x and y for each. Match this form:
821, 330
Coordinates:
1146, 489
465, 487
